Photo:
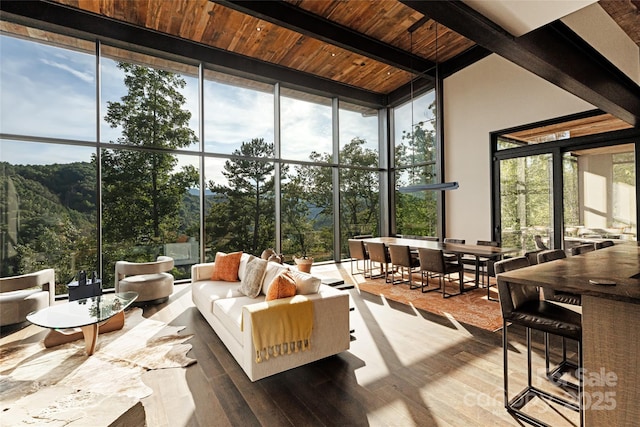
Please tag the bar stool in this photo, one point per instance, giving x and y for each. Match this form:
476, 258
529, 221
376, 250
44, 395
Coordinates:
552, 295
521, 304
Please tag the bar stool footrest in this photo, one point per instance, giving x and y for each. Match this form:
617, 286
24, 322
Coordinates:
518, 402
556, 373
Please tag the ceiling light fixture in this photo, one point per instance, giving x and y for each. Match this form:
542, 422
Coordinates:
442, 186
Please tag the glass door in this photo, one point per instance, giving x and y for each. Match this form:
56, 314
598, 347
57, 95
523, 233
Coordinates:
526, 201
599, 195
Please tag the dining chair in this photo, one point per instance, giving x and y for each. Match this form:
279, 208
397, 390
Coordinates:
484, 265
357, 253
532, 256
539, 243
521, 305
582, 249
403, 260
458, 241
363, 236
379, 253
452, 257
434, 264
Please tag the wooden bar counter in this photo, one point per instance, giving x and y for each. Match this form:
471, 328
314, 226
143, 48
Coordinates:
610, 326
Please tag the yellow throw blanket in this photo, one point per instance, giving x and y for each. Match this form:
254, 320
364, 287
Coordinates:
281, 326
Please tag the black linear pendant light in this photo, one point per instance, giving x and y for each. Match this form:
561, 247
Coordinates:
442, 186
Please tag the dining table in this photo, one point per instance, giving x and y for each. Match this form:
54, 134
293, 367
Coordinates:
477, 251
608, 281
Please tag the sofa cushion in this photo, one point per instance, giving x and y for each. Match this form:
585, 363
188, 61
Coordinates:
273, 269
244, 260
226, 266
282, 286
306, 284
229, 312
205, 292
251, 282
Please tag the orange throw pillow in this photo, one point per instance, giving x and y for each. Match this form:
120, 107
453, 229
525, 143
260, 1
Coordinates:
282, 286
226, 267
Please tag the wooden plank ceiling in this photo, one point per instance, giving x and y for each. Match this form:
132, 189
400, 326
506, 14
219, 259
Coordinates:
592, 125
214, 24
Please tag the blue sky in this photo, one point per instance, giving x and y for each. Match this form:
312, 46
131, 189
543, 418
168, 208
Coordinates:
47, 91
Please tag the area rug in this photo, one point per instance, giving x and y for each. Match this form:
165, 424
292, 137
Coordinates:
471, 308
73, 386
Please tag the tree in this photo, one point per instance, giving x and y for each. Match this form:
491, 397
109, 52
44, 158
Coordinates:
242, 212
142, 194
416, 213
359, 190
307, 200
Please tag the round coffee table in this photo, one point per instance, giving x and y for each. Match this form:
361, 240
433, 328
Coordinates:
104, 313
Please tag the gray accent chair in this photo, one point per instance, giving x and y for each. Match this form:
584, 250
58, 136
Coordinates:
20, 295
151, 280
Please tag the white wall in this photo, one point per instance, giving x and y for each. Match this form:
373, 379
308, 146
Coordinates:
490, 95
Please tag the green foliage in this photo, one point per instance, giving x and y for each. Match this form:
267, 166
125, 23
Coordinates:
142, 194
56, 219
241, 216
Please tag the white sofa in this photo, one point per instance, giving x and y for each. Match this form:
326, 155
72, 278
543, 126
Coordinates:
225, 309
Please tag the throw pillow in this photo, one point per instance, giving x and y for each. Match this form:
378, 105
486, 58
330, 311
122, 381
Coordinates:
244, 259
283, 286
226, 266
273, 269
252, 279
306, 284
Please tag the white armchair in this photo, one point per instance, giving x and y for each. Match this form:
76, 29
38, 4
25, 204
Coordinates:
20, 295
149, 279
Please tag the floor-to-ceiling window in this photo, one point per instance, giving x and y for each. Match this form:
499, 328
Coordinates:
239, 190
48, 171
148, 110
307, 189
359, 175
526, 207
415, 153
130, 155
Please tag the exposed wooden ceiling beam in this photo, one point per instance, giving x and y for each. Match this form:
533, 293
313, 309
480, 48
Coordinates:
552, 52
303, 22
77, 21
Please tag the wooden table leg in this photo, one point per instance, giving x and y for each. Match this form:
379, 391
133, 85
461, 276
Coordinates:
113, 324
57, 337
90, 333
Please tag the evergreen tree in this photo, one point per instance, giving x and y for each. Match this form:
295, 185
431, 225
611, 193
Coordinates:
242, 212
142, 194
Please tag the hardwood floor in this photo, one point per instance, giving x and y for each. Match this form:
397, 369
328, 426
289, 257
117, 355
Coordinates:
405, 368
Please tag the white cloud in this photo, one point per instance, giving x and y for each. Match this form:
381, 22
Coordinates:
84, 76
